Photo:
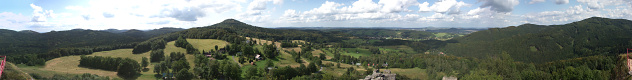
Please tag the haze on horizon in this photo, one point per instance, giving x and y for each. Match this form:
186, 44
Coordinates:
48, 15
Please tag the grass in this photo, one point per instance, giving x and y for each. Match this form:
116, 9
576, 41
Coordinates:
70, 64
440, 34
333, 70
413, 73
284, 59
355, 52
397, 49
207, 44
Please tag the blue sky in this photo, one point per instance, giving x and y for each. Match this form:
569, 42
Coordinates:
49, 15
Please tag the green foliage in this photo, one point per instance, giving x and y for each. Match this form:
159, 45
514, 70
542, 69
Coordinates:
592, 36
270, 51
177, 56
184, 74
157, 55
180, 65
311, 68
284, 73
288, 44
482, 75
85, 76
124, 67
322, 56
29, 42
252, 73
145, 62
230, 70
580, 73
128, 68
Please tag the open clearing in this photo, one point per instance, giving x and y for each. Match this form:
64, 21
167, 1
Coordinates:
412, 73
69, 64
207, 44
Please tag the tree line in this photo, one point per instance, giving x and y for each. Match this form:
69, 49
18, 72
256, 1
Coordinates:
40, 59
124, 67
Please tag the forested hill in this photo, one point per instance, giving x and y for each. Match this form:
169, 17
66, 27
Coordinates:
247, 30
234, 31
380, 33
27, 42
541, 43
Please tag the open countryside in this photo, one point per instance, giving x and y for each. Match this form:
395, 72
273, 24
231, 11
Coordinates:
316, 40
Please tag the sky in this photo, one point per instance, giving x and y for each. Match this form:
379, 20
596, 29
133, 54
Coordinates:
56, 15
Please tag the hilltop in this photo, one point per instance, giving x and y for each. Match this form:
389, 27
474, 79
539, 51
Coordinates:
543, 43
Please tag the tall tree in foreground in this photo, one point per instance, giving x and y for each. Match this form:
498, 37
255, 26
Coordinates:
184, 74
145, 63
129, 68
157, 55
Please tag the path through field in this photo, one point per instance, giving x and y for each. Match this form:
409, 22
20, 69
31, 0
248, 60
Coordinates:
236, 61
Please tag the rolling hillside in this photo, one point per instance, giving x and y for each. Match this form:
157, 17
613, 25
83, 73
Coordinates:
542, 43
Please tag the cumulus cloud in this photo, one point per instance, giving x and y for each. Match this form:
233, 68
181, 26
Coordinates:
39, 14
561, 2
256, 9
598, 4
108, 15
536, 1
573, 13
159, 22
500, 5
443, 6
186, 14
384, 10
393, 6
12, 20
86, 17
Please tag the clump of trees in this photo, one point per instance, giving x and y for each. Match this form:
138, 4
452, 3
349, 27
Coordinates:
40, 59
175, 64
124, 67
288, 44
157, 55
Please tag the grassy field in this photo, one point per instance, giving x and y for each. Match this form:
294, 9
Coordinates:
413, 73
356, 52
207, 44
440, 34
397, 49
69, 64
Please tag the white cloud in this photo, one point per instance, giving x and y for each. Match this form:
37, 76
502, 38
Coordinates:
561, 2
40, 15
444, 6
574, 13
362, 6
384, 10
394, 6
537, 1
13, 21
256, 11
500, 5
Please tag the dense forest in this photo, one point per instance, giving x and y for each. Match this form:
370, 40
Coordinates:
540, 43
34, 48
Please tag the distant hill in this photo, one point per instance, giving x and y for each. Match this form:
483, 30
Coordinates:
359, 32
247, 30
541, 43
27, 41
235, 31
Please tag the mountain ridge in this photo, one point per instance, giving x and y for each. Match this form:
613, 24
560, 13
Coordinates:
543, 43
